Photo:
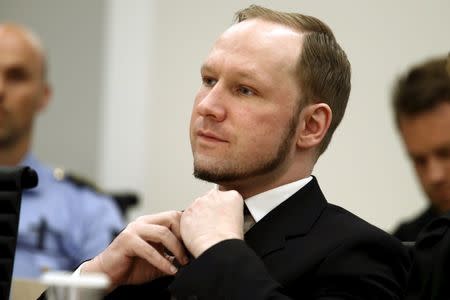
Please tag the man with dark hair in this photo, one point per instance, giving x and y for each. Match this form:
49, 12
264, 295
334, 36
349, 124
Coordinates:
421, 104
274, 87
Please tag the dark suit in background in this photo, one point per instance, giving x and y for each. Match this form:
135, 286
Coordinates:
430, 274
303, 249
409, 231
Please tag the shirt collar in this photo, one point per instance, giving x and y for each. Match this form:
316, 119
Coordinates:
261, 204
28, 160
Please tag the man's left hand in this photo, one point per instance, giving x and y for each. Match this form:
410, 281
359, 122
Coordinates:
210, 219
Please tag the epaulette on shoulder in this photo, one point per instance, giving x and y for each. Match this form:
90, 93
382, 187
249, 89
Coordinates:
123, 199
60, 175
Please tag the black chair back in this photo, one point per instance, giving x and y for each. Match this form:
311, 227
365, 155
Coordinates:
12, 182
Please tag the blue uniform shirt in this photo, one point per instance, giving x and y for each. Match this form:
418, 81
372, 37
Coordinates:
61, 225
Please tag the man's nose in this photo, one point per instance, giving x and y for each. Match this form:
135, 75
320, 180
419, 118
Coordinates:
212, 103
435, 171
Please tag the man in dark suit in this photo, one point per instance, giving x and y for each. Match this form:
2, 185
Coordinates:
274, 88
421, 105
430, 272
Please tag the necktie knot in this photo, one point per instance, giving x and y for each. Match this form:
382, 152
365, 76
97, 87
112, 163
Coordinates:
248, 219
246, 211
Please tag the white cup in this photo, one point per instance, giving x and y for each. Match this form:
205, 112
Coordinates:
66, 286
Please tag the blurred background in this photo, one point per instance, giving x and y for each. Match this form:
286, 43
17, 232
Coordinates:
125, 73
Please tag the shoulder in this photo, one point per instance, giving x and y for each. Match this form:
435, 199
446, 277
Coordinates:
80, 192
435, 233
423, 218
343, 219
409, 229
350, 230
357, 248
88, 199
430, 272
76, 184
76, 181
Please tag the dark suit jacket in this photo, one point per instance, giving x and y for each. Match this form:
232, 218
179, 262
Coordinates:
409, 231
303, 249
430, 275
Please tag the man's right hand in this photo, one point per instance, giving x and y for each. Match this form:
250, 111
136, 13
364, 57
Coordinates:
140, 252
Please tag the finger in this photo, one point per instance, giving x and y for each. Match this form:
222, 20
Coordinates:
164, 236
154, 257
162, 218
175, 225
170, 219
169, 257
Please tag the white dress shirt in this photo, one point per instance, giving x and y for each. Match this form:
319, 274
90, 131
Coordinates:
261, 204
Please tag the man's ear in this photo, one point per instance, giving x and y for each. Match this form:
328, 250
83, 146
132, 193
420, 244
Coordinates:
45, 97
315, 120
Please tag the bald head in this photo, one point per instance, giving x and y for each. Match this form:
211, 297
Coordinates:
24, 91
20, 34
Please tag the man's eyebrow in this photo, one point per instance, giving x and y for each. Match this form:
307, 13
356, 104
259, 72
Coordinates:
247, 74
18, 67
239, 73
443, 147
205, 68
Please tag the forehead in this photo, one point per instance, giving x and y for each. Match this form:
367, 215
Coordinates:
16, 49
427, 131
256, 43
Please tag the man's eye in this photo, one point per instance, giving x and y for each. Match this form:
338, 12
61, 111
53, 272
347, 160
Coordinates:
443, 153
418, 161
246, 91
207, 81
17, 74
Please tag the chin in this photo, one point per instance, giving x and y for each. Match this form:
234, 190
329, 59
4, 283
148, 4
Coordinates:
212, 173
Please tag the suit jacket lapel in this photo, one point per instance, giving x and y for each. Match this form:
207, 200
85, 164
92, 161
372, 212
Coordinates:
294, 217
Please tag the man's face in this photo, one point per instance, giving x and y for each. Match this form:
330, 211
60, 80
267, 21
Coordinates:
22, 89
245, 114
427, 140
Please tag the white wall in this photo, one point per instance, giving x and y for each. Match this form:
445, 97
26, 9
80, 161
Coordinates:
72, 32
364, 169
127, 89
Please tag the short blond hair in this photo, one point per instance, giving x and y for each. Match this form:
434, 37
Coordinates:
323, 68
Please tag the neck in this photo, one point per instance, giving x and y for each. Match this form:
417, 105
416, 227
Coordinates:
248, 187
12, 155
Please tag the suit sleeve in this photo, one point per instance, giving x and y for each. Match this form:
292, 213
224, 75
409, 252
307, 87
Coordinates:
227, 270
231, 270
153, 290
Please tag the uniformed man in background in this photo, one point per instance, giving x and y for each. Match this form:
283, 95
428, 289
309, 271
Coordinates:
61, 223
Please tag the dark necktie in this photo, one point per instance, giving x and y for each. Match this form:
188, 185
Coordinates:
248, 219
